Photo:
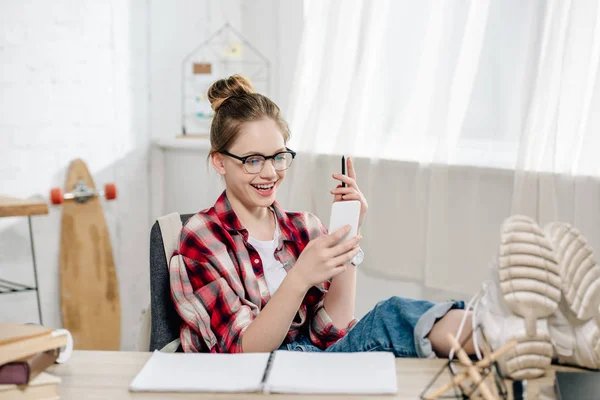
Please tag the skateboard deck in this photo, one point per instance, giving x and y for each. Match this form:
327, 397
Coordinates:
89, 289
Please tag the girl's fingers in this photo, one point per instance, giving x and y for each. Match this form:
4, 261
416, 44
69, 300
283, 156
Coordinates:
338, 270
336, 197
341, 190
344, 258
344, 247
350, 168
334, 237
346, 179
352, 196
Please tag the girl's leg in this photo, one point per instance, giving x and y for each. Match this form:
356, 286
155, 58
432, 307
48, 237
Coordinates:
398, 325
450, 323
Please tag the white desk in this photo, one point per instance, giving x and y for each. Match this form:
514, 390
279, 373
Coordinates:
107, 375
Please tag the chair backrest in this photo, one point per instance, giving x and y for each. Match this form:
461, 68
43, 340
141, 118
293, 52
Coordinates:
165, 320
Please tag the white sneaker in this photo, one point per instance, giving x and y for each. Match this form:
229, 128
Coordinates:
575, 326
524, 292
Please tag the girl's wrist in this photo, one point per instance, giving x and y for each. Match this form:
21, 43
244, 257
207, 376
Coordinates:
296, 282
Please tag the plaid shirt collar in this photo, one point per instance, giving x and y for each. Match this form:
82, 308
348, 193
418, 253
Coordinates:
231, 222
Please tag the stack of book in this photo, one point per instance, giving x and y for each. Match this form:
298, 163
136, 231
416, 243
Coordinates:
26, 351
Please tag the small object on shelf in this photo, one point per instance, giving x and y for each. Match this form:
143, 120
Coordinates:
202, 68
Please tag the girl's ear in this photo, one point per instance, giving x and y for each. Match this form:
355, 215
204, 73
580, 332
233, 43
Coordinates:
218, 163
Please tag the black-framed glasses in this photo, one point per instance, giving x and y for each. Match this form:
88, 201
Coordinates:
254, 163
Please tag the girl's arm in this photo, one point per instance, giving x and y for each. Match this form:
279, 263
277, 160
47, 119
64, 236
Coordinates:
269, 328
321, 260
341, 298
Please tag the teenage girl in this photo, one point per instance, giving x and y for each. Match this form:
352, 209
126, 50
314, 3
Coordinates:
253, 277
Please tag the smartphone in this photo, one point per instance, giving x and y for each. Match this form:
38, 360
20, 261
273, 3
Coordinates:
345, 213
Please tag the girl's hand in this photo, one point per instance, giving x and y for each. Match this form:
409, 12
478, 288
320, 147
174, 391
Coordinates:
351, 191
324, 258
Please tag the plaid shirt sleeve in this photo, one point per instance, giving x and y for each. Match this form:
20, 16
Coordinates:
322, 331
214, 316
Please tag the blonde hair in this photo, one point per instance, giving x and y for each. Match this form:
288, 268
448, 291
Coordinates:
235, 102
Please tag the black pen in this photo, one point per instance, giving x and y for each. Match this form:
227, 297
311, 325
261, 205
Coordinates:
343, 169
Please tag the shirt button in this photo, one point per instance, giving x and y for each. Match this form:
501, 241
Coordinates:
256, 261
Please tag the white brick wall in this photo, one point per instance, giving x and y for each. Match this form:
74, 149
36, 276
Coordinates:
73, 83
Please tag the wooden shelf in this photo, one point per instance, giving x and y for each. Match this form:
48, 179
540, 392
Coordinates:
13, 207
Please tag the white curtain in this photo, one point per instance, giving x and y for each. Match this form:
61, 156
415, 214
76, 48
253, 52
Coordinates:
458, 114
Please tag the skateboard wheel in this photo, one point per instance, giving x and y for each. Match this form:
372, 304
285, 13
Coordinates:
110, 191
56, 196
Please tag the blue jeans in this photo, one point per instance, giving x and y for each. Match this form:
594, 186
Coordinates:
398, 325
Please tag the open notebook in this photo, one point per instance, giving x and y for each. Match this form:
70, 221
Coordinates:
277, 372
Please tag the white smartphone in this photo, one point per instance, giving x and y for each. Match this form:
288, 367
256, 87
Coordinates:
345, 213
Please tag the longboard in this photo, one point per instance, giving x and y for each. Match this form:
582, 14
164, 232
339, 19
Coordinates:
89, 290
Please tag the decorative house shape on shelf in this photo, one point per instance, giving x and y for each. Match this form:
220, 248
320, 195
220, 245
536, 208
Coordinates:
224, 53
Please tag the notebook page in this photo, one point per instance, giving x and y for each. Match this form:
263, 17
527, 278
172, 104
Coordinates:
193, 372
332, 373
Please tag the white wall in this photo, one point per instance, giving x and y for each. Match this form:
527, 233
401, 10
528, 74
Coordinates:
275, 28
177, 27
73, 83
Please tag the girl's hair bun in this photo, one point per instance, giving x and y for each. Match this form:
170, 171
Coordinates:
223, 89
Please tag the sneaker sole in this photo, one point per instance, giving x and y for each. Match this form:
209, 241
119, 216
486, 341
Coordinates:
580, 276
531, 286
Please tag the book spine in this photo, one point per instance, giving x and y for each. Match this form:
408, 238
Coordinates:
16, 373
263, 384
21, 372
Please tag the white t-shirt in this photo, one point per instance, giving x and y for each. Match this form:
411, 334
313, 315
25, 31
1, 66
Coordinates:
273, 269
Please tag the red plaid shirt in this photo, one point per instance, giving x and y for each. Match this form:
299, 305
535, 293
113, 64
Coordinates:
218, 284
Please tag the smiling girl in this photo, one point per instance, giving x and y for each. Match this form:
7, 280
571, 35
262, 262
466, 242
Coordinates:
253, 277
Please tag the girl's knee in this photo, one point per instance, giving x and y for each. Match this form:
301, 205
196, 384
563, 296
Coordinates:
392, 304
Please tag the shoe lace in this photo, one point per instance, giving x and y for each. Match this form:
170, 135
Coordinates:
472, 305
